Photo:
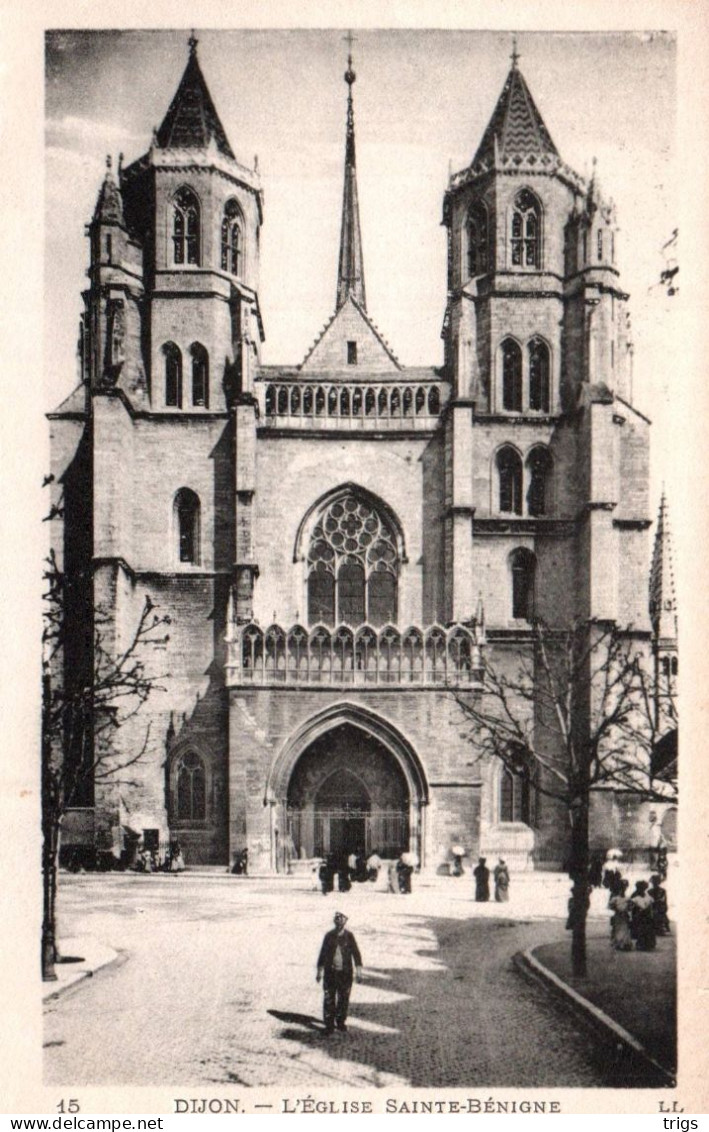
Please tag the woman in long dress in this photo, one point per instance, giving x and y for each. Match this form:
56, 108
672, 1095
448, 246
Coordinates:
620, 906
643, 924
502, 882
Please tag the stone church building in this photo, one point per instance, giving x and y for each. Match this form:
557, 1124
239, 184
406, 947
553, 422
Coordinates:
336, 541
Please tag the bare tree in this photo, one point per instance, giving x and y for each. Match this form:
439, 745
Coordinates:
83, 708
576, 715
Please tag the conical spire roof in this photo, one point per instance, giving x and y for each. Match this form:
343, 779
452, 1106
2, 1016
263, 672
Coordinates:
350, 273
516, 127
663, 601
192, 120
109, 206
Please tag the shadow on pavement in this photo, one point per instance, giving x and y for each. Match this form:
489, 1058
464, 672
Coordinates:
462, 1016
306, 1020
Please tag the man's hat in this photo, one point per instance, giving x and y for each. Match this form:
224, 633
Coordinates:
340, 916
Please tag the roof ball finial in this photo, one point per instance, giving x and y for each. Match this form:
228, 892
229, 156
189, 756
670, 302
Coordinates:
109, 162
192, 42
350, 75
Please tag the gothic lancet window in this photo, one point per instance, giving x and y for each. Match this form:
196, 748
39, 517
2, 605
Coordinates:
526, 230
477, 240
185, 228
523, 565
539, 398
511, 376
353, 565
173, 375
200, 375
509, 471
190, 788
232, 239
187, 524
515, 796
539, 464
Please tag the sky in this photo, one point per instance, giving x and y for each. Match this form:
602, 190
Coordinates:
422, 101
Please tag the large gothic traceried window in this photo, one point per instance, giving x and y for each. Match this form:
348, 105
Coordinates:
185, 228
232, 239
511, 376
526, 230
353, 565
477, 240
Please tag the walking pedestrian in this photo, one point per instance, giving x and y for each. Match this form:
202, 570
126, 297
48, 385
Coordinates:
642, 922
621, 939
659, 906
502, 882
339, 958
482, 880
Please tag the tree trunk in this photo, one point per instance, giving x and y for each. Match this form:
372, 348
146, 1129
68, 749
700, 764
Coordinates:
580, 890
50, 846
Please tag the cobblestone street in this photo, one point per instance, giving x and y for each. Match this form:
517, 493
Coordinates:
215, 985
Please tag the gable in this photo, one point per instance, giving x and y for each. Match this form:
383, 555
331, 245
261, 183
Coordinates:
330, 352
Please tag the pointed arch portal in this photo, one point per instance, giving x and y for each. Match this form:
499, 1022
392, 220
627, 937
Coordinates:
349, 782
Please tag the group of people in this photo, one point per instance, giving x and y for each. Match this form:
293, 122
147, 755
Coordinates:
348, 868
356, 868
153, 861
501, 880
637, 920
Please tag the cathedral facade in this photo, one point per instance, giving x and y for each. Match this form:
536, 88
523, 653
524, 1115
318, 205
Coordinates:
338, 541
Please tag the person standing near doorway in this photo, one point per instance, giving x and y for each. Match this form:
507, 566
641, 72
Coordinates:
338, 961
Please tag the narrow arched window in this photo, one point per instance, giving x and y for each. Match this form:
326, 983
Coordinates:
190, 788
523, 566
173, 375
515, 796
539, 463
477, 233
539, 398
187, 524
186, 227
509, 471
511, 376
526, 225
232, 238
200, 375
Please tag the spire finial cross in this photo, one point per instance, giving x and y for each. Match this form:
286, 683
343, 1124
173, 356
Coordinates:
350, 76
515, 53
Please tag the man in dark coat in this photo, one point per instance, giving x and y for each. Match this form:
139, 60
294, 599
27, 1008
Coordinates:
482, 880
338, 956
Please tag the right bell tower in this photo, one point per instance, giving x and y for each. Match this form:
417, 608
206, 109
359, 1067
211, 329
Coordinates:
536, 336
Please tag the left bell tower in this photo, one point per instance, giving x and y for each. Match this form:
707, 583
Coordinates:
197, 212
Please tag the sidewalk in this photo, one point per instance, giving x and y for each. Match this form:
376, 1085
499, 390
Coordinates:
81, 956
632, 995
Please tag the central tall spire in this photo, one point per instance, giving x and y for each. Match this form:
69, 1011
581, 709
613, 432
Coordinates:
350, 275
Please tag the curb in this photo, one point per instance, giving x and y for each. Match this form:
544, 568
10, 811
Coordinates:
106, 957
530, 967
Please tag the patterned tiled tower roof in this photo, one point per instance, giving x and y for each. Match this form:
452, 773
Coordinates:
109, 206
663, 602
350, 274
516, 132
192, 120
